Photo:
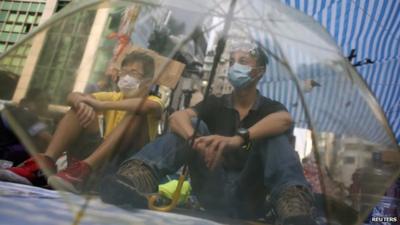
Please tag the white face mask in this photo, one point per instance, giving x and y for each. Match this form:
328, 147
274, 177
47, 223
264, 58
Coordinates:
128, 85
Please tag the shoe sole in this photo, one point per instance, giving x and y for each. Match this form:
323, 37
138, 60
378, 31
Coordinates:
9, 176
59, 184
117, 192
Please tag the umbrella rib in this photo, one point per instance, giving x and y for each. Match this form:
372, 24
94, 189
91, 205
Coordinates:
213, 26
269, 19
212, 9
218, 4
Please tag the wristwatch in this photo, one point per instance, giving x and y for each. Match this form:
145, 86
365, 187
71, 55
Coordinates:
244, 133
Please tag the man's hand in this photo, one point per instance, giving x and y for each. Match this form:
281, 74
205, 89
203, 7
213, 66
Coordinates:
96, 104
212, 147
85, 114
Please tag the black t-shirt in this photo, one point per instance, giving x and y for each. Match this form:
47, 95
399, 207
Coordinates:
223, 119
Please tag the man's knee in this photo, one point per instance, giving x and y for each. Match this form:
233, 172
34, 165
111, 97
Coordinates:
282, 139
71, 117
277, 151
277, 142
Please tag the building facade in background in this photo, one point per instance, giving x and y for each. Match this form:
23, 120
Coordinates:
17, 18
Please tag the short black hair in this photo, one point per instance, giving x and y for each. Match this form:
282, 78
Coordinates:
148, 62
254, 48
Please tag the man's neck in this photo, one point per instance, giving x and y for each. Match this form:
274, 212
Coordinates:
245, 98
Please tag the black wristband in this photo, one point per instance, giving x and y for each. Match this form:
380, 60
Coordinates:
244, 133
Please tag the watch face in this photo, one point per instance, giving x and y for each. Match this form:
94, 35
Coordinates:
242, 131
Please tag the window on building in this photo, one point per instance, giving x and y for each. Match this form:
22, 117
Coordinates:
61, 4
16, 19
61, 56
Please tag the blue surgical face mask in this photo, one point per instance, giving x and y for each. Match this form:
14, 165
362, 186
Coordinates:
239, 75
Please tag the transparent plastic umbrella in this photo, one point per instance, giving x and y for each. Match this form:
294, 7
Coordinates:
87, 40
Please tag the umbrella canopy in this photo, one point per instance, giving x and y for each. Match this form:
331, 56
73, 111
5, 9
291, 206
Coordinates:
306, 71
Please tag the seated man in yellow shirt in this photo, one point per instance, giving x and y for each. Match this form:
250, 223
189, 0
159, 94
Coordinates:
80, 132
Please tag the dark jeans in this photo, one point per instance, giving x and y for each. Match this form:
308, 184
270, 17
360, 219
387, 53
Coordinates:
268, 168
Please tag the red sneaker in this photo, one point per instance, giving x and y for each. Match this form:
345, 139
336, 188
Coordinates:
73, 178
29, 172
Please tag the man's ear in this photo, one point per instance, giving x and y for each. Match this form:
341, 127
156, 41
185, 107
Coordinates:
261, 70
147, 81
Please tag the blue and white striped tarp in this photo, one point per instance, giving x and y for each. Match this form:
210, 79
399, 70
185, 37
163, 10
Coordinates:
372, 28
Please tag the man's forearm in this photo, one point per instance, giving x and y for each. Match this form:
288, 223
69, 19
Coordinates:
126, 104
273, 124
181, 123
73, 98
137, 105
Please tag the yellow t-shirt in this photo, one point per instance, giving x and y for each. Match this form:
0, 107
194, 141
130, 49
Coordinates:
113, 117
153, 119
